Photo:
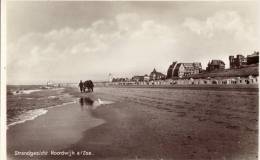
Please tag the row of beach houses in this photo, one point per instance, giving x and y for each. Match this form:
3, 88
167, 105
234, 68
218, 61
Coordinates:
186, 74
191, 81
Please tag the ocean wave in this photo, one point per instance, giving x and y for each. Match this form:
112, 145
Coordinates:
29, 91
58, 88
52, 97
25, 91
99, 102
63, 104
32, 114
27, 116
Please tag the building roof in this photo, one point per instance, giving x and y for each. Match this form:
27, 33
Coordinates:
154, 71
195, 65
255, 54
175, 72
157, 73
216, 62
137, 76
160, 74
186, 65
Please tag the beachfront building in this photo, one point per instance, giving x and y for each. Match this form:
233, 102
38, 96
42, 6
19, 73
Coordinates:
144, 78
138, 78
237, 62
218, 81
170, 71
120, 80
154, 75
215, 65
183, 69
253, 58
242, 61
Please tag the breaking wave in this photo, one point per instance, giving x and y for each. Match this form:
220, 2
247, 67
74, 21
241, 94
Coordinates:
27, 116
32, 114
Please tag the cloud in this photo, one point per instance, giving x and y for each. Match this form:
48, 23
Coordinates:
128, 21
123, 44
127, 44
224, 22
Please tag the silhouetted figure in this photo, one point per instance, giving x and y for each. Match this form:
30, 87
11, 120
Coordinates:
81, 86
86, 85
89, 85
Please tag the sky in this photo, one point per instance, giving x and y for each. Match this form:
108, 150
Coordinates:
72, 41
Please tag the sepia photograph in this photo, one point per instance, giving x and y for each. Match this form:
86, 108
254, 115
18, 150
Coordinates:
131, 80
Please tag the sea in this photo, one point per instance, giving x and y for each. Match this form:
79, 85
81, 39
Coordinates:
240, 106
205, 120
26, 102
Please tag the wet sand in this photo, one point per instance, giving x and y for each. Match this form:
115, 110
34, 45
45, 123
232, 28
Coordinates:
149, 124
60, 126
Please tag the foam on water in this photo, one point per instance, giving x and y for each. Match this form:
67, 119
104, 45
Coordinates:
25, 91
99, 102
63, 104
52, 97
32, 114
29, 115
22, 91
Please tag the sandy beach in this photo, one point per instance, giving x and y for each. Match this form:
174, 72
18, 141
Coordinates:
144, 123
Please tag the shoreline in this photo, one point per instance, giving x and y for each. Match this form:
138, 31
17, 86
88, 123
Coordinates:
137, 131
44, 111
182, 124
22, 107
61, 126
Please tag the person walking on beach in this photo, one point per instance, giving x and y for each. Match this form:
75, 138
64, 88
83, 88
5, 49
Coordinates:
81, 86
91, 86
88, 85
